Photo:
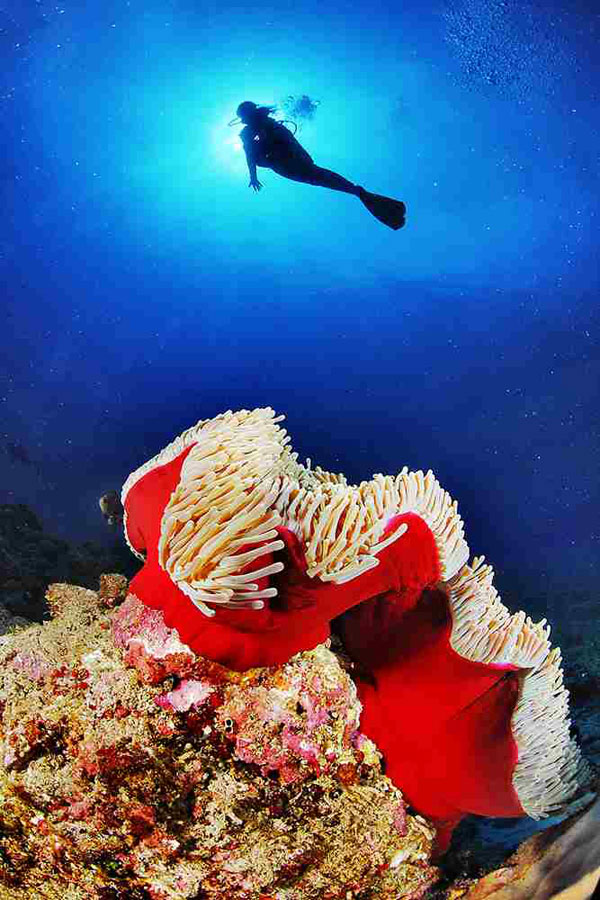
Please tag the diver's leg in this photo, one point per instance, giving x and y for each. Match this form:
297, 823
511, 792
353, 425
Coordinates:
327, 178
311, 174
389, 211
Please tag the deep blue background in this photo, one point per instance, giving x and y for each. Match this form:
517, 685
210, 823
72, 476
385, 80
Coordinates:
144, 286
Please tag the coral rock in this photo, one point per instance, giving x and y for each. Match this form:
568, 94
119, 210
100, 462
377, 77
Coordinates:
132, 768
562, 862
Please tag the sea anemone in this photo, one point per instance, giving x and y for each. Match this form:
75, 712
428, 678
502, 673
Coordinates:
250, 555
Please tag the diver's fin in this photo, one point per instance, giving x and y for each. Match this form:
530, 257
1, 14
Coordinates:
391, 212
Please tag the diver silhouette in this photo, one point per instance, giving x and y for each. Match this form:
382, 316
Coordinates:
269, 144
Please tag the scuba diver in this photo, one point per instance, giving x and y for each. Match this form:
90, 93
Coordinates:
270, 144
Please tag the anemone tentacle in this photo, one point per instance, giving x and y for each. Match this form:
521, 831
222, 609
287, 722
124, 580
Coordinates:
239, 482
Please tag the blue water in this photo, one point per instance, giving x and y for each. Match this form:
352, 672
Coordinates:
145, 286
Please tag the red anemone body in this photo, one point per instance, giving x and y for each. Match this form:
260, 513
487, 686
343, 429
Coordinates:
442, 721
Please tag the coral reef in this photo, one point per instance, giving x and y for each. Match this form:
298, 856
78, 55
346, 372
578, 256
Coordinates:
194, 735
8, 622
31, 559
133, 769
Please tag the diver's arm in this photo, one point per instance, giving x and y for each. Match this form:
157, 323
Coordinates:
254, 182
249, 151
251, 167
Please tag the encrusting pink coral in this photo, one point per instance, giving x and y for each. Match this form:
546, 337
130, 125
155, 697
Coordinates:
249, 555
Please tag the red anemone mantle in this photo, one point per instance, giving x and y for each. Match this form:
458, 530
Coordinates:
465, 701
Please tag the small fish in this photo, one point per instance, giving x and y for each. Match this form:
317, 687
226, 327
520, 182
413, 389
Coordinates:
18, 453
111, 508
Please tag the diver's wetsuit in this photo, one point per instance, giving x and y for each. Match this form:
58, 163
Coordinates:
272, 145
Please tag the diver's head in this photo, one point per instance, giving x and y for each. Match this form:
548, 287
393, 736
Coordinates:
249, 112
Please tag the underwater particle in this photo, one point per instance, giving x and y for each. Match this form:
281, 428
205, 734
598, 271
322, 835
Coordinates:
516, 49
249, 557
